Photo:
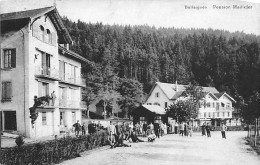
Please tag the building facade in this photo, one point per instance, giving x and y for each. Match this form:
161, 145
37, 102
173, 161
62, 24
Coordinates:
213, 108
36, 62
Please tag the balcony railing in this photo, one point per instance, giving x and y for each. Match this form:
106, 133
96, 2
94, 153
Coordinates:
224, 108
66, 103
46, 71
72, 79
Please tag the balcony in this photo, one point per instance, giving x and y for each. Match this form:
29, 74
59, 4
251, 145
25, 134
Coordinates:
46, 72
72, 80
66, 103
225, 109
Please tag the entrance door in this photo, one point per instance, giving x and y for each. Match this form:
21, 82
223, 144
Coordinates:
10, 120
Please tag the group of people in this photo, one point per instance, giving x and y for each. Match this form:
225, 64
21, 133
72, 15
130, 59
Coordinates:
118, 133
207, 129
92, 128
185, 129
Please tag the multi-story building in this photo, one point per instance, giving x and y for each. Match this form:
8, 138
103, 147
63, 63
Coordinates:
214, 107
36, 61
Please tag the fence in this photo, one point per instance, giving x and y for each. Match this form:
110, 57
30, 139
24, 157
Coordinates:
253, 134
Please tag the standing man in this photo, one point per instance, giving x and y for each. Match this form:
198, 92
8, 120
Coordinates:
77, 128
83, 129
176, 126
144, 128
189, 127
223, 130
208, 130
181, 129
53, 98
112, 129
156, 129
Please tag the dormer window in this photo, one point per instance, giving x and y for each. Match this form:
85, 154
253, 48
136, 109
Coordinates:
157, 94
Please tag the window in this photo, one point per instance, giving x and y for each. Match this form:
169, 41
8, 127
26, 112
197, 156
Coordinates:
157, 94
48, 36
61, 118
44, 118
62, 70
73, 117
149, 103
6, 90
217, 106
218, 114
223, 114
42, 33
9, 58
213, 105
205, 114
228, 114
46, 64
43, 89
156, 104
166, 104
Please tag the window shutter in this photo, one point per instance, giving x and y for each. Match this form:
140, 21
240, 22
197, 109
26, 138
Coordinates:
3, 90
13, 58
45, 36
9, 90
53, 39
47, 89
39, 89
36, 30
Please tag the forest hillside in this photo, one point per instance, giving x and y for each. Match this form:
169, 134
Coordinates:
144, 54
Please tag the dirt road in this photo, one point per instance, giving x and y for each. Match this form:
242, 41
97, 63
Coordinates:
177, 150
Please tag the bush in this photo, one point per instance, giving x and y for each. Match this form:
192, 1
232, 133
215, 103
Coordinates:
54, 151
19, 140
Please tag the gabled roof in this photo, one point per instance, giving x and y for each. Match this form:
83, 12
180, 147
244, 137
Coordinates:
155, 108
73, 54
224, 93
170, 89
34, 14
218, 95
26, 14
177, 95
211, 94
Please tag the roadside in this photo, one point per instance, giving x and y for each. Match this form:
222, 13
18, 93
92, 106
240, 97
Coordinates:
175, 149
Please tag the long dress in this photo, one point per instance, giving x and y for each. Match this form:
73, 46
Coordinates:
203, 129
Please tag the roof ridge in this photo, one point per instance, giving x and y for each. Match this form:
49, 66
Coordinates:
28, 10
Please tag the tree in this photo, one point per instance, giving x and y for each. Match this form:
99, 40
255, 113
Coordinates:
252, 110
182, 110
194, 93
132, 95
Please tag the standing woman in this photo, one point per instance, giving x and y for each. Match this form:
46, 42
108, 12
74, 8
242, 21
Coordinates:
203, 129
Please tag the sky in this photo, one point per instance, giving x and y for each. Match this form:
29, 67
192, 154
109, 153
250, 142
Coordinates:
158, 13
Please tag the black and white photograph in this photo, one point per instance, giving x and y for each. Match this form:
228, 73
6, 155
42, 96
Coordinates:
125, 82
